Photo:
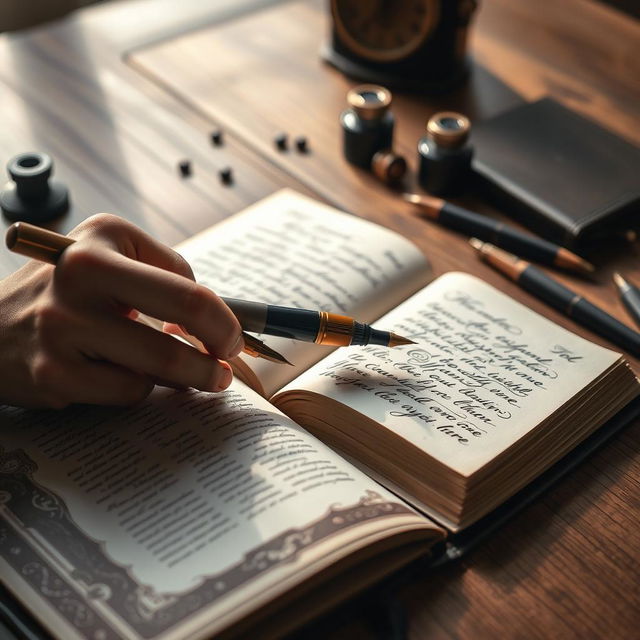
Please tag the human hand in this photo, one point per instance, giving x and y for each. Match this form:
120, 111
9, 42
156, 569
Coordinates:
68, 333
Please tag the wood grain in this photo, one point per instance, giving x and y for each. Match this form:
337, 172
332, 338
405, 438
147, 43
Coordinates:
116, 138
233, 74
568, 566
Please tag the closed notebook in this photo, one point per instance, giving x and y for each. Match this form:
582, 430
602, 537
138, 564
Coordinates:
562, 175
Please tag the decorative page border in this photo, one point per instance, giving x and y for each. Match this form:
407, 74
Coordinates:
99, 598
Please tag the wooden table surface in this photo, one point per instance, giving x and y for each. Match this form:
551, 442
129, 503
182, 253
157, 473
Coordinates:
121, 92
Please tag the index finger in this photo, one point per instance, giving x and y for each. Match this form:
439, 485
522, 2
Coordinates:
129, 240
112, 277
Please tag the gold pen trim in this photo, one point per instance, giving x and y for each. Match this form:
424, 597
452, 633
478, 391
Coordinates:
334, 330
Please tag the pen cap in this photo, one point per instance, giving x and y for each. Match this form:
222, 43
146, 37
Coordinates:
389, 167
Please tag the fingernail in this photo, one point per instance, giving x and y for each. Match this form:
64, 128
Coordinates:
237, 347
225, 378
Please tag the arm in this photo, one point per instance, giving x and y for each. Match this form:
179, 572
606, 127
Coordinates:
68, 334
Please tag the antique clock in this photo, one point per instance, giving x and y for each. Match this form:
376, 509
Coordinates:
409, 44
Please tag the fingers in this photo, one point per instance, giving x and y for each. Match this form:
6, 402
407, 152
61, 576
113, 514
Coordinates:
131, 241
156, 355
69, 334
104, 277
117, 266
70, 378
109, 384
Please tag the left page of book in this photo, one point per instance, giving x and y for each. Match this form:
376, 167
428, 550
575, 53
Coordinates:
178, 517
291, 250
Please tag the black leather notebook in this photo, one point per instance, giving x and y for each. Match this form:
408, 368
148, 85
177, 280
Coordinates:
560, 174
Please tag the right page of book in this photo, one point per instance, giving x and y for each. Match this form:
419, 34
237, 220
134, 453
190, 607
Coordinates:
485, 370
294, 251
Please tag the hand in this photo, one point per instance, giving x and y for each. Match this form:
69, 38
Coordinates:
68, 333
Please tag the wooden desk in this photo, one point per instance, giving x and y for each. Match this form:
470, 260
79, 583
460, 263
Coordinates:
567, 567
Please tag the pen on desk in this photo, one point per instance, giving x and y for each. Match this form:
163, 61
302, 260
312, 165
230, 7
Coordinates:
558, 296
305, 325
630, 296
501, 235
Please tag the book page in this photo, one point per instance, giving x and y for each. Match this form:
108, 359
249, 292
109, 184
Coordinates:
484, 372
293, 251
136, 520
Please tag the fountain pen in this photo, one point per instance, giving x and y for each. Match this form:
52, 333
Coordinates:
500, 234
306, 325
558, 296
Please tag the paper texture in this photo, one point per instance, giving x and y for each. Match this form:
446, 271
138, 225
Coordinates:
294, 251
484, 372
186, 501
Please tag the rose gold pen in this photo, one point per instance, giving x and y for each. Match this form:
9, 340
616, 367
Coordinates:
47, 246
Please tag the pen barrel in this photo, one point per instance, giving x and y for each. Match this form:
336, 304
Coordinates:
36, 242
498, 233
273, 320
579, 309
542, 286
631, 300
297, 324
252, 316
605, 325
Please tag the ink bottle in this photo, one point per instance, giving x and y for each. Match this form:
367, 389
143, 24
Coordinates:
444, 155
33, 196
367, 124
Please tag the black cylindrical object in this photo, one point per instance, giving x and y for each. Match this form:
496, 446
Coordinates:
367, 124
444, 155
582, 311
33, 196
485, 228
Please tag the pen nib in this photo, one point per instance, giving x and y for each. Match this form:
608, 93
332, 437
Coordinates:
258, 349
397, 341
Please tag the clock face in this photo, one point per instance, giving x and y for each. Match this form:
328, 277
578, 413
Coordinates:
384, 30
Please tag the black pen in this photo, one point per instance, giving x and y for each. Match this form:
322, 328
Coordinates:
500, 234
47, 246
558, 296
305, 325
630, 296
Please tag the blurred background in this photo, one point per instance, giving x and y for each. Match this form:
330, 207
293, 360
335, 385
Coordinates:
21, 14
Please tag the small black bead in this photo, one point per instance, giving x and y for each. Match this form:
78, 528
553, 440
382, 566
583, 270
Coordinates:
226, 175
302, 144
216, 137
184, 166
281, 141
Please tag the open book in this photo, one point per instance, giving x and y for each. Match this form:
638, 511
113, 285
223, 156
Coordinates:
196, 514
